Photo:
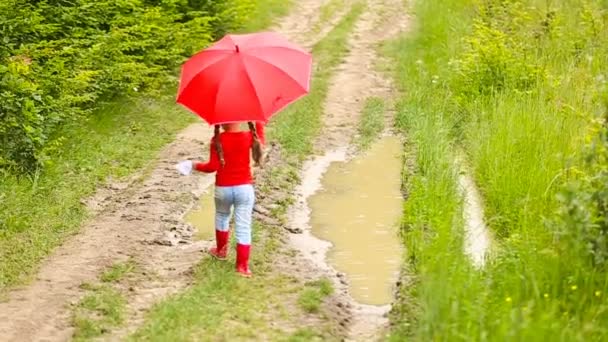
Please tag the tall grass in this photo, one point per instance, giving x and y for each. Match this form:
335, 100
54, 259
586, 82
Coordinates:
371, 124
518, 85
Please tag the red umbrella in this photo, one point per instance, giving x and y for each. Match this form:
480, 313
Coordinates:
244, 78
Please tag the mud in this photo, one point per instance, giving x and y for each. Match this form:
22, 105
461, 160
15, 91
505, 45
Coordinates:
310, 246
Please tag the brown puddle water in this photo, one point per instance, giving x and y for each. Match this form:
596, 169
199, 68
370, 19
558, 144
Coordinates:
203, 216
358, 211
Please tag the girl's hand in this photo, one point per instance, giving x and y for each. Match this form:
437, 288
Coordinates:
184, 167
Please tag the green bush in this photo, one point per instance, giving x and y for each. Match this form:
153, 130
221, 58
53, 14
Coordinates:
581, 223
494, 61
60, 59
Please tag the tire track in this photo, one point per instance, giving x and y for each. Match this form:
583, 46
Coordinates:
357, 79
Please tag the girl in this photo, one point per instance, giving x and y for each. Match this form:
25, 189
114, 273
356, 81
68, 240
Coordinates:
229, 157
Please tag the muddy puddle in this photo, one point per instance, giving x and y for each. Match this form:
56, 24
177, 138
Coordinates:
358, 210
203, 216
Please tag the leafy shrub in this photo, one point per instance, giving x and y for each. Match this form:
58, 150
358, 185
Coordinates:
493, 62
59, 59
581, 223
496, 56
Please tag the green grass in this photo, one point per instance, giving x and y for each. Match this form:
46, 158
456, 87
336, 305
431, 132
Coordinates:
304, 335
98, 312
224, 306
39, 213
326, 13
312, 296
372, 121
296, 126
117, 271
103, 306
221, 305
520, 143
267, 12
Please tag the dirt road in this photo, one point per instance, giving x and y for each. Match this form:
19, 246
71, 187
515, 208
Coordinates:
142, 218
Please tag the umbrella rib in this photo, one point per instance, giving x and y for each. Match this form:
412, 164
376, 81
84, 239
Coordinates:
185, 83
257, 96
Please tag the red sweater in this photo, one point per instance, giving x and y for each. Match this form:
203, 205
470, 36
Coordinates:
237, 158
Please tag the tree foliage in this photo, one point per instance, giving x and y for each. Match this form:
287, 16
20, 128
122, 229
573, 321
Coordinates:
60, 58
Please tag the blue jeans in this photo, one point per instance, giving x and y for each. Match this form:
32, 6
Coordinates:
242, 199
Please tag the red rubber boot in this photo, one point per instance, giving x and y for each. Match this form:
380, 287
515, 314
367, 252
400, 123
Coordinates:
242, 260
220, 252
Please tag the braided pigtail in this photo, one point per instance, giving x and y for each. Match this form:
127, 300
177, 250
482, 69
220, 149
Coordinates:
218, 145
256, 148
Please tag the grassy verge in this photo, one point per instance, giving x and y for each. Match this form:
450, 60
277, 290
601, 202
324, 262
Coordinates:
372, 121
313, 294
326, 12
37, 214
266, 14
103, 306
99, 311
517, 85
221, 305
304, 335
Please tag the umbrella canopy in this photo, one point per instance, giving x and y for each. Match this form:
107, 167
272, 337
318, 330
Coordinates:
246, 77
